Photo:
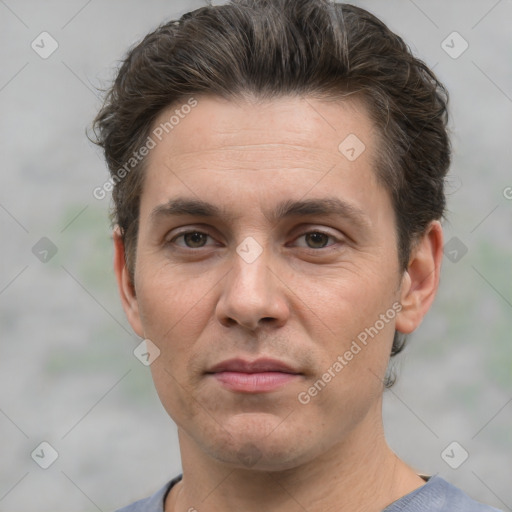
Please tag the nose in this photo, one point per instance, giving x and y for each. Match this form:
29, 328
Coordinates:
252, 294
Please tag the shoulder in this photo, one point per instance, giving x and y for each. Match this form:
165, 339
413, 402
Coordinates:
438, 495
154, 503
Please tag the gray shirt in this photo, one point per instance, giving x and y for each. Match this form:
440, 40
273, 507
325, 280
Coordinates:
437, 495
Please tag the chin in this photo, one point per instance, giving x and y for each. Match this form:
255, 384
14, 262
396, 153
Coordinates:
260, 442
258, 456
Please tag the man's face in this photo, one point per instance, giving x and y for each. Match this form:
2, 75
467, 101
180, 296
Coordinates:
253, 285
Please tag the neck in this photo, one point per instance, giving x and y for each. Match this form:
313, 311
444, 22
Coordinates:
359, 473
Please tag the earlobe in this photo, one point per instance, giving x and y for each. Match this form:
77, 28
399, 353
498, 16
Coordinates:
125, 285
421, 279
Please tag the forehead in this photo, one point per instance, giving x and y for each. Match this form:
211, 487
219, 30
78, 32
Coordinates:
267, 148
300, 123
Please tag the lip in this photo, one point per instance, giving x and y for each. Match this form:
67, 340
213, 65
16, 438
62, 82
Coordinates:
259, 376
257, 366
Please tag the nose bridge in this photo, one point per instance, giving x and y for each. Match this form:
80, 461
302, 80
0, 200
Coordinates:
250, 292
250, 271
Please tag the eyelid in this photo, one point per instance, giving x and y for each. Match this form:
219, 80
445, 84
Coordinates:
303, 232
308, 231
171, 240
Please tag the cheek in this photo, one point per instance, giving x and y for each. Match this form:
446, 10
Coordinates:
350, 378
354, 299
174, 314
358, 324
173, 318
168, 300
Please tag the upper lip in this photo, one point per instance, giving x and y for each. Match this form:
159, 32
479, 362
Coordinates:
257, 366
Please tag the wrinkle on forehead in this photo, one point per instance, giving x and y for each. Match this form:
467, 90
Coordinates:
280, 139
293, 121
263, 157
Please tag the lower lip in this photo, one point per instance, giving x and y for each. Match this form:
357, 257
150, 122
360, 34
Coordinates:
254, 382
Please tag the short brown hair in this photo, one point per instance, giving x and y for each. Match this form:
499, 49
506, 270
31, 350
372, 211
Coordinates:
273, 48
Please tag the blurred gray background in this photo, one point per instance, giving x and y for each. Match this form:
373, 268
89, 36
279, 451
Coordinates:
68, 373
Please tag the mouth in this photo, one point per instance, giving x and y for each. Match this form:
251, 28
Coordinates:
260, 376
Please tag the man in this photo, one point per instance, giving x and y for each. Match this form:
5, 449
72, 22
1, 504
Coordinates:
278, 170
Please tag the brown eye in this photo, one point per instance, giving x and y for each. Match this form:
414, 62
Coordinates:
195, 239
192, 239
316, 239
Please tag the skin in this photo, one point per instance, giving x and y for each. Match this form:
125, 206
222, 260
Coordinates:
302, 301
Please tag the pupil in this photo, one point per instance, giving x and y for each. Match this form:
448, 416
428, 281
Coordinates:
317, 237
194, 238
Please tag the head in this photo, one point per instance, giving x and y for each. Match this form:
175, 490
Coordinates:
295, 121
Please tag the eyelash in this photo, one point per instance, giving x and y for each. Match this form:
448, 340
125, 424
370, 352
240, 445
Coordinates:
195, 231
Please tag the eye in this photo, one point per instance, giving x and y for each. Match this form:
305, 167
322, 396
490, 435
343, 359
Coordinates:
317, 239
195, 239
192, 239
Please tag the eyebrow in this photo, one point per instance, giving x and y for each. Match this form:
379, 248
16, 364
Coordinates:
327, 206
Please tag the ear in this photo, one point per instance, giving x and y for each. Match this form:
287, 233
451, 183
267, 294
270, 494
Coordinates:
124, 284
421, 279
